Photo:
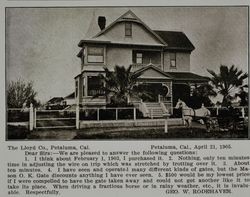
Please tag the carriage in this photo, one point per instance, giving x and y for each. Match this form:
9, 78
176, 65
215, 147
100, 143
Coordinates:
215, 119
228, 118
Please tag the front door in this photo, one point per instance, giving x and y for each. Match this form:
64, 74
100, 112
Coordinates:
152, 92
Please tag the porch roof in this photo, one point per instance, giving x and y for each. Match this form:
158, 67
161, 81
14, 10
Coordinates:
92, 68
146, 73
70, 96
188, 77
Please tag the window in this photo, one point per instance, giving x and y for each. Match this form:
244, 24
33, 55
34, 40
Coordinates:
76, 90
128, 29
139, 58
83, 86
173, 60
95, 54
95, 85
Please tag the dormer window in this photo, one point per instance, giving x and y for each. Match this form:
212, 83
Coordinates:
128, 29
173, 60
95, 54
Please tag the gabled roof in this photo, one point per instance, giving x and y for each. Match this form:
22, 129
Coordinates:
151, 66
169, 39
130, 16
175, 40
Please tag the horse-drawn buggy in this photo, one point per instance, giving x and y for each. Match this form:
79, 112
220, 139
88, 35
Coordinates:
228, 118
215, 119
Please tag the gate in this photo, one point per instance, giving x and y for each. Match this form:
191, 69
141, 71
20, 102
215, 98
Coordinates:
54, 119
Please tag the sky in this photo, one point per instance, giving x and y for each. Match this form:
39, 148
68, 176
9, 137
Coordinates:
41, 43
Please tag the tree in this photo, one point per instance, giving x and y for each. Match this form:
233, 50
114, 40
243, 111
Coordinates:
227, 81
243, 97
201, 95
120, 85
21, 94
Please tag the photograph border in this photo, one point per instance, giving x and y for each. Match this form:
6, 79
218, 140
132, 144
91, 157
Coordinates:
121, 6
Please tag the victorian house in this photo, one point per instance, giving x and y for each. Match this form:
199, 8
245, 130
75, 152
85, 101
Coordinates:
162, 58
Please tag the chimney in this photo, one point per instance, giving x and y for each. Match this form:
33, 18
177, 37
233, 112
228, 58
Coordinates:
102, 22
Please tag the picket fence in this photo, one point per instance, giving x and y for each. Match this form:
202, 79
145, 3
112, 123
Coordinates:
36, 118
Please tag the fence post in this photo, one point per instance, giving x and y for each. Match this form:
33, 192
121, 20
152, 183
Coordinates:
97, 114
243, 112
31, 118
77, 117
217, 111
34, 118
151, 114
166, 116
134, 110
116, 114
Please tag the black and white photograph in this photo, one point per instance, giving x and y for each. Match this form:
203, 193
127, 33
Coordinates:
127, 73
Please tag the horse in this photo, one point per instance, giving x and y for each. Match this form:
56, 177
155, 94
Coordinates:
188, 114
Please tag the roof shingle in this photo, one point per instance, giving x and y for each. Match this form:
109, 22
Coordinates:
175, 40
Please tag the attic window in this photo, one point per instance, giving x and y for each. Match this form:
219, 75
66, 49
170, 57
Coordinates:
173, 60
128, 29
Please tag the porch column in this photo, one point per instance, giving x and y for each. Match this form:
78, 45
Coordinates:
171, 94
77, 117
162, 60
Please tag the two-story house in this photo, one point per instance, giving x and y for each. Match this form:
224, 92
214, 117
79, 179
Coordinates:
162, 58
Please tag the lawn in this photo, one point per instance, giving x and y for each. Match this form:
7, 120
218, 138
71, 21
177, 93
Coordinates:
158, 133
180, 132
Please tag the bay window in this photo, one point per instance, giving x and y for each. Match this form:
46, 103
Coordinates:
95, 54
95, 85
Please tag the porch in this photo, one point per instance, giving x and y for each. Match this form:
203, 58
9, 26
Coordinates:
163, 89
157, 88
183, 85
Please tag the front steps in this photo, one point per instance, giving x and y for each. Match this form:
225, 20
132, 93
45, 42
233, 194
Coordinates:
155, 110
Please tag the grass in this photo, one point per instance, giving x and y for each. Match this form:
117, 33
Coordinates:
158, 133
150, 133
17, 132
